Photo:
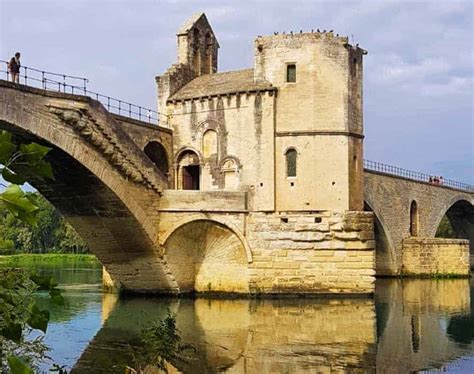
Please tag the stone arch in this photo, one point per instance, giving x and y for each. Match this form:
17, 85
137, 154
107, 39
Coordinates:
414, 218
230, 168
197, 51
209, 52
188, 170
104, 185
460, 213
158, 155
210, 146
190, 218
206, 255
291, 162
385, 258
461, 198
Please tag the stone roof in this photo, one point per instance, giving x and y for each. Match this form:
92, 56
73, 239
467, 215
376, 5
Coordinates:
184, 29
221, 84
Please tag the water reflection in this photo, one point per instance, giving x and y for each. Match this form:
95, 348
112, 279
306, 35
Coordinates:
413, 322
248, 336
411, 325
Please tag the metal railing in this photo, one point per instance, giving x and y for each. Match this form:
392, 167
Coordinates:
416, 176
78, 86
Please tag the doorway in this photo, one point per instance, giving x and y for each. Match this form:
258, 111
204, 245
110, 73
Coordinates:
191, 177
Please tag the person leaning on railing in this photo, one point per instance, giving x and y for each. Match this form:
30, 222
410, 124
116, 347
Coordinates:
14, 67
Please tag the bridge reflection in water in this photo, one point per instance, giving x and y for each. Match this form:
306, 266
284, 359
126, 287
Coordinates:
411, 325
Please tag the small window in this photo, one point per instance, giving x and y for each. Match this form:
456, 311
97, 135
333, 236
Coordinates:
291, 73
291, 163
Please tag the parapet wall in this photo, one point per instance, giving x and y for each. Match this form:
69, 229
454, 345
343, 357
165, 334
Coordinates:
435, 256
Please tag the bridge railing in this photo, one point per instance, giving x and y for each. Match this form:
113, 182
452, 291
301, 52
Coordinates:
416, 176
50, 81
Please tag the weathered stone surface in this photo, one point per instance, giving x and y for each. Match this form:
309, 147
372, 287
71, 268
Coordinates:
435, 257
389, 197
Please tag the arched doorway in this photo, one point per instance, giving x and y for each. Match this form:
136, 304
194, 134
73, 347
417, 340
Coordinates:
205, 256
414, 218
157, 153
189, 171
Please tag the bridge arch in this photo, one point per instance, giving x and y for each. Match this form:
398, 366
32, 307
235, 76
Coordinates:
104, 185
158, 155
460, 213
385, 257
206, 255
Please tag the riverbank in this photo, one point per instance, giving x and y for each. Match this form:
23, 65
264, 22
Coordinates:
48, 259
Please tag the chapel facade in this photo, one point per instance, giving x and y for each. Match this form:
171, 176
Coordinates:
288, 131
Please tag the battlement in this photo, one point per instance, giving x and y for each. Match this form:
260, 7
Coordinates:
301, 37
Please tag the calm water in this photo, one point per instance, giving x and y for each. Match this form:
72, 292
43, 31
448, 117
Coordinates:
411, 325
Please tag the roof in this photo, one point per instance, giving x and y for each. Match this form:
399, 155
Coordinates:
221, 84
184, 29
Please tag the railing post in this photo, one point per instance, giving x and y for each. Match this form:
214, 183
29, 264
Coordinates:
26, 76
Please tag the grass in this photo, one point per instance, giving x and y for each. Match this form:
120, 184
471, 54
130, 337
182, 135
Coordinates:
47, 259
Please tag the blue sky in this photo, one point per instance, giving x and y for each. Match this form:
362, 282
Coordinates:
418, 75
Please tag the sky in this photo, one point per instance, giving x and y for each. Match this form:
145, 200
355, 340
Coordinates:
418, 74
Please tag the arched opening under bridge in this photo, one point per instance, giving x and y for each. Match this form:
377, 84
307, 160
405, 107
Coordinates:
205, 255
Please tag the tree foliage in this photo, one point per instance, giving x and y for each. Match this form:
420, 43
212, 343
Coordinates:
445, 229
28, 223
19, 312
50, 234
19, 315
17, 163
160, 345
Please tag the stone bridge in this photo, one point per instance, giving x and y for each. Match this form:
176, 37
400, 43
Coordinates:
113, 181
406, 208
104, 185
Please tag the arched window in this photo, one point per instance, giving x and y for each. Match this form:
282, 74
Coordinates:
197, 51
209, 144
413, 218
189, 171
291, 156
231, 177
209, 53
157, 153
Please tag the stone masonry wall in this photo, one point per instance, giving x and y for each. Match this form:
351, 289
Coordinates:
328, 252
423, 256
319, 252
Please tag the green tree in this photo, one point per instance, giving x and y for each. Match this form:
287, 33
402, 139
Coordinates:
19, 312
445, 229
51, 233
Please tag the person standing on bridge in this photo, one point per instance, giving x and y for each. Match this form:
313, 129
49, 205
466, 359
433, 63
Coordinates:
14, 67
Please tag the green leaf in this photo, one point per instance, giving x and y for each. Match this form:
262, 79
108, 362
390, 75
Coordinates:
39, 318
15, 198
33, 152
43, 169
6, 147
12, 331
17, 366
12, 177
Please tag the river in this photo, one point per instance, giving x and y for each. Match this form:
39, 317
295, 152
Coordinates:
410, 325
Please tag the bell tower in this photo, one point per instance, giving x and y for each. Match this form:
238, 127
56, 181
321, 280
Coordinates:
197, 45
